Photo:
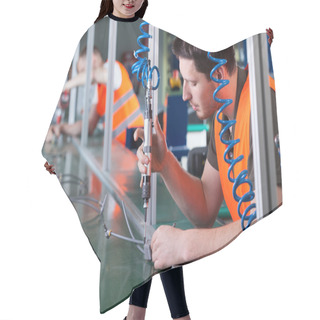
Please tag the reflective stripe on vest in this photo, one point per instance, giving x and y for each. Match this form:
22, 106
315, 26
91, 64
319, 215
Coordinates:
125, 124
122, 100
126, 107
242, 132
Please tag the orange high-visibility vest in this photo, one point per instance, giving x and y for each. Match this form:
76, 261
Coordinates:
242, 132
126, 108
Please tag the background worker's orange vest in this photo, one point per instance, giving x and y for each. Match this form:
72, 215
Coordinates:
126, 107
242, 132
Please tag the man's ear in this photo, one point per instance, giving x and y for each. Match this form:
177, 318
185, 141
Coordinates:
221, 73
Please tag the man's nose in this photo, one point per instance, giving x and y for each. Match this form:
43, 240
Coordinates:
186, 95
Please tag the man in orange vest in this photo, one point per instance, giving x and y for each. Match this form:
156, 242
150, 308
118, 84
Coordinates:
200, 199
126, 108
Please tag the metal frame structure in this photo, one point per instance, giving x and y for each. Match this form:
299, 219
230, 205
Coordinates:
113, 28
154, 61
73, 91
87, 104
262, 126
103, 172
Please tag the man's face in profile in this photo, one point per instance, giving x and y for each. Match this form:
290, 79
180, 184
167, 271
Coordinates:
197, 89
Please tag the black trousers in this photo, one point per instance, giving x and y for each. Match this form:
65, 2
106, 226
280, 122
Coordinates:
173, 285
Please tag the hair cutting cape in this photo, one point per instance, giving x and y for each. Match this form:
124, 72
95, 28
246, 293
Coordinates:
102, 180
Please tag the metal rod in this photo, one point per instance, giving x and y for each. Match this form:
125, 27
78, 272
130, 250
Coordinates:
106, 164
126, 238
262, 126
81, 201
87, 103
154, 58
67, 169
73, 91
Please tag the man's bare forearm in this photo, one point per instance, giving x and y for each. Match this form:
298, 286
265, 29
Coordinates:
78, 80
203, 242
71, 129
171, 246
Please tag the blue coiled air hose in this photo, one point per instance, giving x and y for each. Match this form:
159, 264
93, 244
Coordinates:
226, 124
142, 67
